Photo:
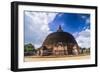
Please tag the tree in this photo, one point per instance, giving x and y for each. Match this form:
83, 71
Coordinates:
29, 49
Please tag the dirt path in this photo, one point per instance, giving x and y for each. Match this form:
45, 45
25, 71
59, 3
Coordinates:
50, 58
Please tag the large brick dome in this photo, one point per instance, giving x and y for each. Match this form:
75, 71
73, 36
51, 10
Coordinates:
59, 43
56, 37
60, 36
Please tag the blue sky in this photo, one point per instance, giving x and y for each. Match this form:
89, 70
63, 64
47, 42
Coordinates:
70, 22
37, 25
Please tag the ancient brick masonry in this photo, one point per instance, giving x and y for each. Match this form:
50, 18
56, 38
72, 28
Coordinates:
59, 43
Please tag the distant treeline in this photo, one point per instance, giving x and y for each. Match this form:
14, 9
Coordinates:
85, 50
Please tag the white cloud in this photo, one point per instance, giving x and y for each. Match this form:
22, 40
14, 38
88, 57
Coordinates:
83, 38
36, 26
45, 27
88, 21
83, 17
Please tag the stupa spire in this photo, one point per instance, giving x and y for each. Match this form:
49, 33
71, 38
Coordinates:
59, 29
